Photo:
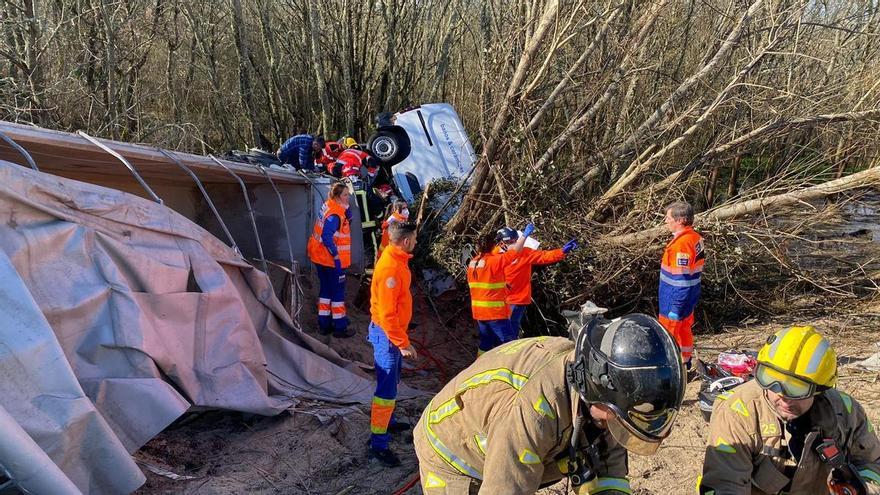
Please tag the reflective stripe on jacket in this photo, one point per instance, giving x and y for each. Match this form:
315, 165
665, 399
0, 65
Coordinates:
518, 273
390, 296
330, 153
747, 447
488, 285
506, 420
351, 161
680, 273
318, 253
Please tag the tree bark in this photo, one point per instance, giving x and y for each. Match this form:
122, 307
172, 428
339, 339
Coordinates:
456, 224
318, 64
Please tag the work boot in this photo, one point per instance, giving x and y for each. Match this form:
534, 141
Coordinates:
325, 330
348, 332
385, 456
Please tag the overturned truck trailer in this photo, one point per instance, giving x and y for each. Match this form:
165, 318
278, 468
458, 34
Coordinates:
133, 288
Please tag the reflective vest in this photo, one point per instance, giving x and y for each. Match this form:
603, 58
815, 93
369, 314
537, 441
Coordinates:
351, 161
486, 280
318, 253
386, 239
680, 273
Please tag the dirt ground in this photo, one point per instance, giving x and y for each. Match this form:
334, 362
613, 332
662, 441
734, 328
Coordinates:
321, 448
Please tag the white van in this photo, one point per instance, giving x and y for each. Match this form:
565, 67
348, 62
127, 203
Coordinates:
423, 144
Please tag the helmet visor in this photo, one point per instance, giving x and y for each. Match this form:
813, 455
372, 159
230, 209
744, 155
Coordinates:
784, 384
643, 433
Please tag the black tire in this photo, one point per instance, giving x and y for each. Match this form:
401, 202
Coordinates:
390, 145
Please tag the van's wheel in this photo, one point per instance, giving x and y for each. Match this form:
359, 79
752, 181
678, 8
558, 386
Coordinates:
390, 146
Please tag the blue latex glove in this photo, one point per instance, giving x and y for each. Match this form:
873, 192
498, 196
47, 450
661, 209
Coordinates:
528, 230
672, 315
569, 246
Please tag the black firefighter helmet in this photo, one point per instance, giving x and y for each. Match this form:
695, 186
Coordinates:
632, 366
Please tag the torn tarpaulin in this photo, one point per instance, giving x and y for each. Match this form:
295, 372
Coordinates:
147, 314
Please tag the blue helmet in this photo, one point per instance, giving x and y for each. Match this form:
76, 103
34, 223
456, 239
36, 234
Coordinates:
506, 234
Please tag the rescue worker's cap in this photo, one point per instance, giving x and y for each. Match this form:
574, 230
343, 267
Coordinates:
506, 234
633, 367
797, 363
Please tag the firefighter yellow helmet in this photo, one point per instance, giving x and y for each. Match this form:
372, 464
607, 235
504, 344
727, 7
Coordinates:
797, 362
349, 142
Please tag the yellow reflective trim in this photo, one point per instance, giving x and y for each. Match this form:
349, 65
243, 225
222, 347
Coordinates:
450, 458
515, 380
721, 445
528, 457
488, 304
434, 481
480, 440
847, 401
517, 345
740, 407
562, 465
543, 407
383, 402
445, 410
599, 485
378, 430
724, 395
487, 285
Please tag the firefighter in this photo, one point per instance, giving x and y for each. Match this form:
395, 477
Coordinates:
350, 162
680, 272
533, 411
488, 289
329, 248
790, 430
330, 153
519, 273
390, 311
301, 151
398, 213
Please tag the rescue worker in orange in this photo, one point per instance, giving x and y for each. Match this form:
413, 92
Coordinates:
329, 248
488, 287
519, 273
390, 311
398, 212
680, 272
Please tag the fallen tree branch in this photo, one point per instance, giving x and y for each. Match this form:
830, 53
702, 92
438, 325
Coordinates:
867, 177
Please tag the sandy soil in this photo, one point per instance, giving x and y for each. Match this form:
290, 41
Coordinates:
320, 448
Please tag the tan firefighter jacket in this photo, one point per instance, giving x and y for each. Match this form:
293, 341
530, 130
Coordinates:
507, 420
747, 449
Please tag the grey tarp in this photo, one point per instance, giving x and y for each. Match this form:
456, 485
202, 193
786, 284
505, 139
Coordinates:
143, 314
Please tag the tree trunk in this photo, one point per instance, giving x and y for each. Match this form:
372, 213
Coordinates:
456, 224
244, 73
732, 189
318, 64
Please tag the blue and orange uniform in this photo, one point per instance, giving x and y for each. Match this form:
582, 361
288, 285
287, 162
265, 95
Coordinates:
518, 275
680, 273
488, 287
331, 238
390, 312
